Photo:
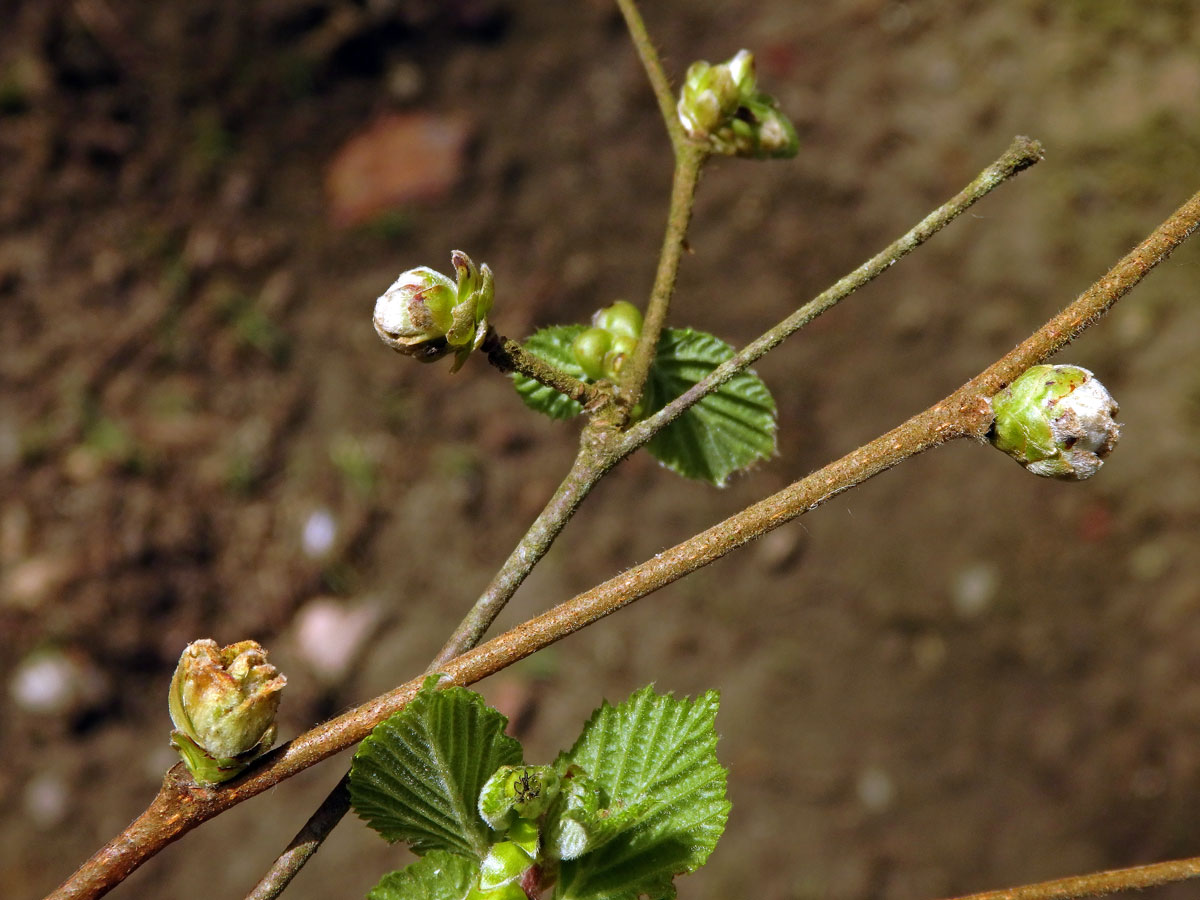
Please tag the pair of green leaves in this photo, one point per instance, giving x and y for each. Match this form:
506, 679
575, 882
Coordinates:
418, 776
728, 430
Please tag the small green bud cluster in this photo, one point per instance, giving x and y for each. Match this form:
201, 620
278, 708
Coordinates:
720, 106
223, 702
602, 349
426, 315
1056, 421
544, 816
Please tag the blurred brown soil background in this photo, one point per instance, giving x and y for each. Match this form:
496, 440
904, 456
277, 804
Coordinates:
953, 678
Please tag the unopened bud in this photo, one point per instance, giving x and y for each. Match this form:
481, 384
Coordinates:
504, 867
1056, 421
574, 820
721, 107
517, 792
426, 315
223, 702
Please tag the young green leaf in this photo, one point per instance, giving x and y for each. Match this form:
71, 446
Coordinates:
436, 876
417, 776
554, 346
728, 430
654, 758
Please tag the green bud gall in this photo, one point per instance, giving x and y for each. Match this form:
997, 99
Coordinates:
622, 318
425, 315
720, 106
223, 702
517, 792
614, 360
505, 863
589, 349
1056, 421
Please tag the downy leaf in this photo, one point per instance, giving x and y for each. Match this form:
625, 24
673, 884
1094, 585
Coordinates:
728, 430
436, 876
417, 776
654, 758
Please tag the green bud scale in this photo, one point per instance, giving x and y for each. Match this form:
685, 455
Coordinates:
223, 702
1056, 421
425, 315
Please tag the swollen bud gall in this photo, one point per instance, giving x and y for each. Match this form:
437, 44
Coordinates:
721, 107
517, 792
426, 315
1056, 421
223, 702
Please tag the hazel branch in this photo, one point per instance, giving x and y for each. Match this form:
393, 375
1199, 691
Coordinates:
508, 355
182, 805
1099, 884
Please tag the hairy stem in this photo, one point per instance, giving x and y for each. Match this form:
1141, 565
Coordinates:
1099, 884
689, 159
654, 69
307, 841
182, 805
508, 355
587, 469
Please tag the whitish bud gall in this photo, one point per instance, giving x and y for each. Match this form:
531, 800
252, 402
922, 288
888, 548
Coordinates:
721, 107
1056, 421
574, 819
223, 702
425, 315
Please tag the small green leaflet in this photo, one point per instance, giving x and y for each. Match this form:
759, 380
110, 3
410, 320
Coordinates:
418, 775
655, 759
728, 430
436, 876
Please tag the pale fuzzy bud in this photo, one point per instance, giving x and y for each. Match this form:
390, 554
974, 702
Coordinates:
1057, 421
426, 315
223, 702
414, 314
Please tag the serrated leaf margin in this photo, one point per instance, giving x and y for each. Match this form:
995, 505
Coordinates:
391, 787
439, 875
681, 793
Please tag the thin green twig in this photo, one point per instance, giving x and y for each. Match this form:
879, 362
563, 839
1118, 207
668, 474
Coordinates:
654, 69
689, 159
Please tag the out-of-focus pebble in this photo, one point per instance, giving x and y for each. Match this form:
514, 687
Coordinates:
46, 800
320, 533
395, 160
974, 589
875, 789
51, 682
330, 635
